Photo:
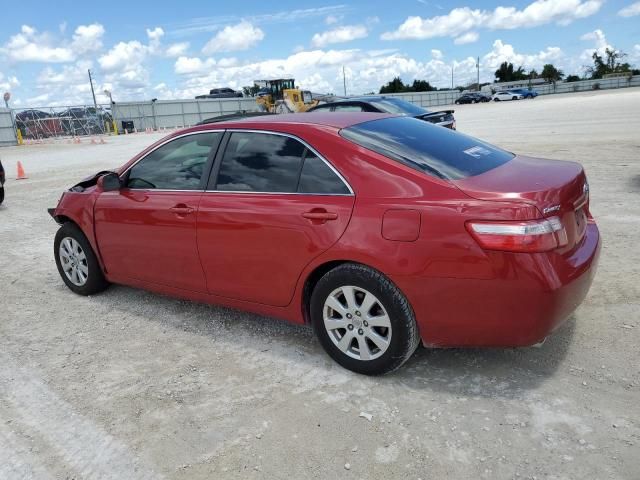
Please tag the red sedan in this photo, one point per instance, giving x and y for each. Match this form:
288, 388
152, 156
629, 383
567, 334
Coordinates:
380, 231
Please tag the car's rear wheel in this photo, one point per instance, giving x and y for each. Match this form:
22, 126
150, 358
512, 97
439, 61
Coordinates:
514, 98
76, 261
362, 320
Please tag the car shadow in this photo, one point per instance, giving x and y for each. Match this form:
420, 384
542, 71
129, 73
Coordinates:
485, 372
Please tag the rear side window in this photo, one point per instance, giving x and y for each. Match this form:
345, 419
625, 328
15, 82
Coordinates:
432, 149
318, 177
177, 165
260, 162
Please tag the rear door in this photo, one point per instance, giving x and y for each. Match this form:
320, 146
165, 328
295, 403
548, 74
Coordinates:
272, 205
147, 230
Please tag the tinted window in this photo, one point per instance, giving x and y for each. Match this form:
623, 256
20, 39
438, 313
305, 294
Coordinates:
432, 149
348, 108
395, 105
321, 108
177, 165
260, 162
317, 177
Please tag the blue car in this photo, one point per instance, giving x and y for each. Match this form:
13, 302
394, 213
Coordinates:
525, 92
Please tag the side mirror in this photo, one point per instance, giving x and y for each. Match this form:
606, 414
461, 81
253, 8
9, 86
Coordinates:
110, 182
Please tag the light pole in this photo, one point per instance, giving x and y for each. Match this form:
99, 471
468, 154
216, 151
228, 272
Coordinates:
113, 115
451, 76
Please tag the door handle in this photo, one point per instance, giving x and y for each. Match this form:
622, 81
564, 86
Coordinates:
320, 215
181, 209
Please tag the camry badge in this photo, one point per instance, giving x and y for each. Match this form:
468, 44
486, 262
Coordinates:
552, 209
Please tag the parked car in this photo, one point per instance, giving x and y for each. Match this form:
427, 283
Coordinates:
506, 95
525, 92
220, 93
383, 104
472, 97
381, 231
2, 180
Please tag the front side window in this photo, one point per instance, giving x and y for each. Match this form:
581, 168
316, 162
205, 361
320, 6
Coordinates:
177, 165
260, 162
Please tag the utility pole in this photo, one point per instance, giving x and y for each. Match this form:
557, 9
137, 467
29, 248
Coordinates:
344, 81
95, 104
478, 70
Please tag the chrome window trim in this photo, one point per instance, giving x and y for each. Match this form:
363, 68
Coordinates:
309, 147
199, 132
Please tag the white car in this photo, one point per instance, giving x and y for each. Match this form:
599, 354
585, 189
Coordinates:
506, 95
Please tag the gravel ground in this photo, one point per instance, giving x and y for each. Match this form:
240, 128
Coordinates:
129, 384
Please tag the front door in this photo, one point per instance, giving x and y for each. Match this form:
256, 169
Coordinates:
273, 206
147, 230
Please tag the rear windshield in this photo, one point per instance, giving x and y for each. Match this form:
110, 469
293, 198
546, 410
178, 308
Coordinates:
432, 149
395, 105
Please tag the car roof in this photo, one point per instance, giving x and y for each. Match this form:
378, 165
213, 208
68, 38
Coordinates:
328, 119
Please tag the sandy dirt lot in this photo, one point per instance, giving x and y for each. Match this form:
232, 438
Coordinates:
129, 384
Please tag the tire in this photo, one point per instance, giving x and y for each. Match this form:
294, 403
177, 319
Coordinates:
87, 278
1, 195
496, 99
394, 344
514, 98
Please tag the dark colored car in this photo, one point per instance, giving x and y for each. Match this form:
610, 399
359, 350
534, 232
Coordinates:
394, 105
220, 93
472, 97
2, 179
381, 231
525, 92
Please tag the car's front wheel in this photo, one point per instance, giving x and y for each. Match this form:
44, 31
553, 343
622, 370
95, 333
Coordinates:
76, 261
362, 320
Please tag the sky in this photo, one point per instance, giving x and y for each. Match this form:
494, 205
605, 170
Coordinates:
143, 50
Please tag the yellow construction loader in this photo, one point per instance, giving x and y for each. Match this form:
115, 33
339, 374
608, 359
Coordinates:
281, 96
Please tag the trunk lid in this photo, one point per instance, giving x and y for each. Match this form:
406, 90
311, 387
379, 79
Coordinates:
555, 187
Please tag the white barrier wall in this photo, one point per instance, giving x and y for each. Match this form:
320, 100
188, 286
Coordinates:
178, 113
7, 132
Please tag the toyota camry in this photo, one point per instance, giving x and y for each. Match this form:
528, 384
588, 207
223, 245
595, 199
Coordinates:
380, 231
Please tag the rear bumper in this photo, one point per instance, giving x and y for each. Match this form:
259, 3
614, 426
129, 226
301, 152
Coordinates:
528, 298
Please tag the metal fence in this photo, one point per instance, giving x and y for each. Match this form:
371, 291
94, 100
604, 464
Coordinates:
177, 113
7, 132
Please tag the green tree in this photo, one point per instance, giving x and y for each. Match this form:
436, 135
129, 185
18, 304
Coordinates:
610, 62
551, 73
421, 86
507, 73
572, 78
250, 91
394, 86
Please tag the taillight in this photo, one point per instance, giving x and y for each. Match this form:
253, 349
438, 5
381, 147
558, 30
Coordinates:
531, 236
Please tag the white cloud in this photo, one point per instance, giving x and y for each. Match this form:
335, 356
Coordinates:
342, 34
30, 46
177, 49
465, 19
233, 38
191, 65
332, 19
503, 52
87, 38
437, 54
469, 37
600, 43
8, 83
630, 10
123, 55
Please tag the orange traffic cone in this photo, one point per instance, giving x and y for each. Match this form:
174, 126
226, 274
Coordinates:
21, 174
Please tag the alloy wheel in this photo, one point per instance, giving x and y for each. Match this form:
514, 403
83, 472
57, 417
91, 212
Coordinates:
73, 261
357, 323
